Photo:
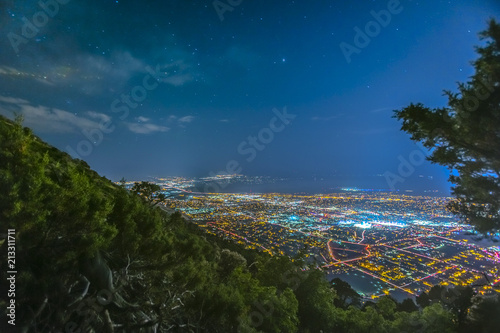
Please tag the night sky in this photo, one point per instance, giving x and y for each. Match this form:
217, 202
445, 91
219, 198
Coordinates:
277, 88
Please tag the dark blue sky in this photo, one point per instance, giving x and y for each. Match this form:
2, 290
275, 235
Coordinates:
81, 73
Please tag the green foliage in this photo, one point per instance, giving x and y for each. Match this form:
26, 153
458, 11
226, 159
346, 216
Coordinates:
346, 296
365, 321
436, 319
149, 192
279, 272
229, 261
78, 236
386, 307
407, 306
459, 300
433, 318
484, 315
316, 308
74, 226
464, 136
423, 300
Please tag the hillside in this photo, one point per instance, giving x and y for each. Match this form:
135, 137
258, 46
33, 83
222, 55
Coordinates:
92, 257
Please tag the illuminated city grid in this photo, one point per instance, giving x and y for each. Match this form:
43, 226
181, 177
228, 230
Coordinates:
380, 243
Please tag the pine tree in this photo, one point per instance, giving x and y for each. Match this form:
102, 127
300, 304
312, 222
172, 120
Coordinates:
465, 136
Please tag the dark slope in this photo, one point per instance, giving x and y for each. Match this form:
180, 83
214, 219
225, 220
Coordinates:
93, 257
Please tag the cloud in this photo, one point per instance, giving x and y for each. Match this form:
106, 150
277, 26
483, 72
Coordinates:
47, 119
13, 100
95, 74
180, 121
146, 128
7, 70
385, 109
186, 119
176, 73
120, 66
100, 116
177, 80
87, 72
14, 73
100, 74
